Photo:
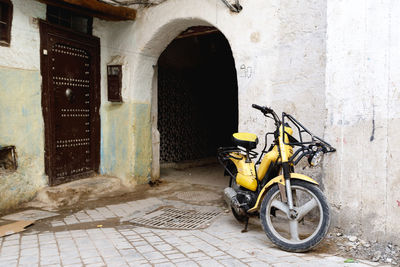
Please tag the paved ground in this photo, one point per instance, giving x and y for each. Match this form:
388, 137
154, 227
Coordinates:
220, 245
103, 236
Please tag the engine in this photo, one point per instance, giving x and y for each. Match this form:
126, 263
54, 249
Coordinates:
240, 200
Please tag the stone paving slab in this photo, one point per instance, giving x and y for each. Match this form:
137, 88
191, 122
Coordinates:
122, 211
222, 244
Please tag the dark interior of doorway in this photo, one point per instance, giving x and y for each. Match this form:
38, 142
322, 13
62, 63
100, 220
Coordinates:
197, 97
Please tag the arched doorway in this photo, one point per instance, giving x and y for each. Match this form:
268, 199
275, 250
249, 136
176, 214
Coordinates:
197, 96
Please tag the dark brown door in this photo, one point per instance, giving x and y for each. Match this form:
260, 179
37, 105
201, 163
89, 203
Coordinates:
71, 98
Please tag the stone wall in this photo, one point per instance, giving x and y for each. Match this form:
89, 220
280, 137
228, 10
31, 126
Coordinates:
362, 101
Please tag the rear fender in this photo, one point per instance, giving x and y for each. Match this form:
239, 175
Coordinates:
279, 179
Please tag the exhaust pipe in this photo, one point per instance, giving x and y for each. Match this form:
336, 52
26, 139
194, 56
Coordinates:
230, 197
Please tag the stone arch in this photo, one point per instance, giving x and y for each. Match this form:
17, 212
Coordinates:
146, 76
168, 32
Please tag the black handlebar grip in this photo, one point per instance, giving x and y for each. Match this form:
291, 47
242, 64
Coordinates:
267, 110
257, 107
263, 109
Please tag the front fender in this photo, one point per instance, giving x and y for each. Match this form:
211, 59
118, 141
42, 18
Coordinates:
281, 180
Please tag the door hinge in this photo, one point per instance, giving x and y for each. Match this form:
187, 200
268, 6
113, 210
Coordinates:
45, 52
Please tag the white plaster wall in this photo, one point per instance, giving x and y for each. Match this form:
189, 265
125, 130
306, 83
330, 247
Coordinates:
23, 52
362, 99
278, 47
21, 120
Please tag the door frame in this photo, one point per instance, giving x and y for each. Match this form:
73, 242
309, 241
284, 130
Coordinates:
92, 44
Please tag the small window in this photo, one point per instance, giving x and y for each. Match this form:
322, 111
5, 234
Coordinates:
6, 9
69, 19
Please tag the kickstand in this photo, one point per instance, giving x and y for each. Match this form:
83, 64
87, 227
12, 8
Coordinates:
245, 226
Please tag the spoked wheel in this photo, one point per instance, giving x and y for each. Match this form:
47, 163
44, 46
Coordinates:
311, 222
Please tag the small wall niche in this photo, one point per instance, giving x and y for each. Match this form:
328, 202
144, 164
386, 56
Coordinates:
114, 82
8, 158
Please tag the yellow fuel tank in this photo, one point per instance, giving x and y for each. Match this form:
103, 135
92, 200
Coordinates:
247, 181
246, 175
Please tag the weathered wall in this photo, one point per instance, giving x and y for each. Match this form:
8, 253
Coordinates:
126, 149
278, 47
362, 100
20, 125
332, 64
23, 52
21, 120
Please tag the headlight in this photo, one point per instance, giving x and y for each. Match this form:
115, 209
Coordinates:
315, 159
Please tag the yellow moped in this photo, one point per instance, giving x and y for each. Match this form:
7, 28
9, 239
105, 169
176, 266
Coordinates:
294, 212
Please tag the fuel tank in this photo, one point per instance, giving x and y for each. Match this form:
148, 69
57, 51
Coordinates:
246, 172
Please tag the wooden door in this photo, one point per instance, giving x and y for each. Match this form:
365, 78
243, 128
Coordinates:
70, 100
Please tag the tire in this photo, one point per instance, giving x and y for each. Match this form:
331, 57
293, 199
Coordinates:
238, 217
282, 231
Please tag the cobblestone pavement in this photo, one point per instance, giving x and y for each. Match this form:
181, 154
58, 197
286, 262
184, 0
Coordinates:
78, 239
222, 244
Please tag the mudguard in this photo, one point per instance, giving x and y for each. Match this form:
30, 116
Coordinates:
279, 179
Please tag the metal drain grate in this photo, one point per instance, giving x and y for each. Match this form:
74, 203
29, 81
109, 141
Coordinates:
197, 196
174, 218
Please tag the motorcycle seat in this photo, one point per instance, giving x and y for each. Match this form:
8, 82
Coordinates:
248, 141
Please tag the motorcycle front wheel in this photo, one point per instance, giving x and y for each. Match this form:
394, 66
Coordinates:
311, 222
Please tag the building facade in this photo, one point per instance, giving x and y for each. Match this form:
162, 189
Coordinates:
332, 64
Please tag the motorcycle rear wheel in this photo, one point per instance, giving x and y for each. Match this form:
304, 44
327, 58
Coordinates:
310, 226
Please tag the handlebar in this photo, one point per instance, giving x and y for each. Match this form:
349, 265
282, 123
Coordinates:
310, 151
262, 109
266, 110
306, 147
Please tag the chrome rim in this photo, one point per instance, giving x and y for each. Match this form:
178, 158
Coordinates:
307, 223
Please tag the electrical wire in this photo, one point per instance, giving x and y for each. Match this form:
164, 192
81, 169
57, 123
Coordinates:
236, 7
132, 2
